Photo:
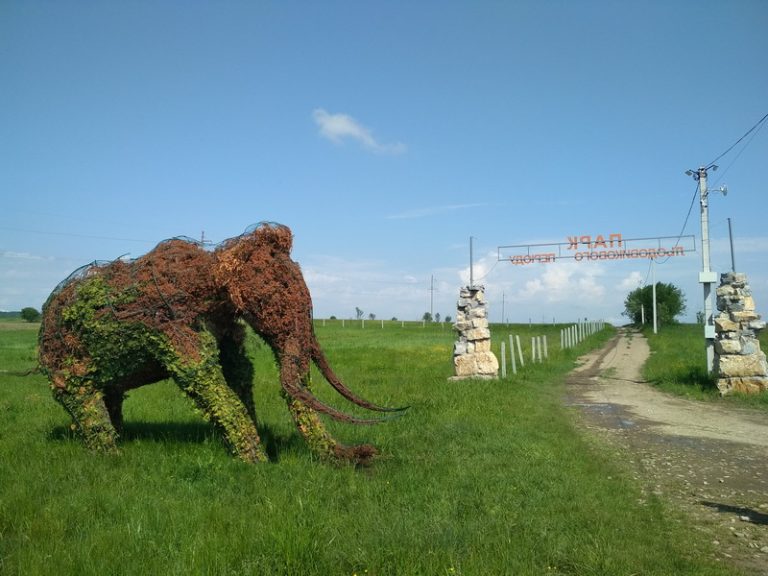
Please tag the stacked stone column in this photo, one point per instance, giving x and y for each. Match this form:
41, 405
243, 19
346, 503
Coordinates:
472, 356
740, 365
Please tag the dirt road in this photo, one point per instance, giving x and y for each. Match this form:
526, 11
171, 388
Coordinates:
708, 459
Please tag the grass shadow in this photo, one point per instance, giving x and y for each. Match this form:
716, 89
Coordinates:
276, 444
698, 377
189, 433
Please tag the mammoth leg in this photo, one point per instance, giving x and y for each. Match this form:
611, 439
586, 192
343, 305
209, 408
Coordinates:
204, 382
89, 412
113, 400
237, 368
311, 427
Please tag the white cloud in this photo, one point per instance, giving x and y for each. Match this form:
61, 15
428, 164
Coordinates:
562, 282
631, 282
339, 285
21, 256
340, 127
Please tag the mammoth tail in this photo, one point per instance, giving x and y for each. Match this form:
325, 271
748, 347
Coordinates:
322, 364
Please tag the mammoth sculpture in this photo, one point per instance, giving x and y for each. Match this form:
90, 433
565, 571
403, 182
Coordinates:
179, 312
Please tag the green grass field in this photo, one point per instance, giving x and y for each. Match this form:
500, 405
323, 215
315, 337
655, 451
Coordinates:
479, 477
678, 365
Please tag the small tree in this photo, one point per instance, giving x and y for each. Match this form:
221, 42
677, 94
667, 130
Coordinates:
437, 316
427, 317
670, 302
371, 316
448, 318
30, 314
358, 313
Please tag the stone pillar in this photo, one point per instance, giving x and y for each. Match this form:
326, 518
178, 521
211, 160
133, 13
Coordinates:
472, 356
740, 365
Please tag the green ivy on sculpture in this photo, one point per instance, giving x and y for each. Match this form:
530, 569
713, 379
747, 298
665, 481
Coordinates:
180, 312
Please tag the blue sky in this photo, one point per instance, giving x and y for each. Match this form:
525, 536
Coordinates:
385, 134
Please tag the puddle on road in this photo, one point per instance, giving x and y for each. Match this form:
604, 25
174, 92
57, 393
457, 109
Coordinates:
606, 409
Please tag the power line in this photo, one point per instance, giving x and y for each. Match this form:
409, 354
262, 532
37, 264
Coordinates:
682, 230
484, 276
732, 146
746, 145
73, 235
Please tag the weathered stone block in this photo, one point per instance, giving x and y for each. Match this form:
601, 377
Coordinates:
743, 315
724, 290
478, 334
487, 364
726, 346
742, 366
464, 365
483, 346
724, 324
749, 345
480, 312
463, 325
753, 385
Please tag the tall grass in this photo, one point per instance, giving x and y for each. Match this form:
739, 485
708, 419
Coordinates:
479, 477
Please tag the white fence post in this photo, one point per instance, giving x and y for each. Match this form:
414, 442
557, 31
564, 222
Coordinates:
519, 351
512, 354
546, 352
503, 360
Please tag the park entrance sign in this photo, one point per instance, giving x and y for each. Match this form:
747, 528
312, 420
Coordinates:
587, 248
614, 246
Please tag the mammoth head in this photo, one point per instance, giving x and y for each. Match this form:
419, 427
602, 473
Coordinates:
268, 290
262, 281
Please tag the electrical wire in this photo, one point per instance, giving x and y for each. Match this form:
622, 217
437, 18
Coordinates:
489, 271
682, 230
732, 146
722, 173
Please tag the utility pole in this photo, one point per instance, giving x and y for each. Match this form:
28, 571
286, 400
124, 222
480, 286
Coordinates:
502, 307
471, 275
730, 237
431, 295
706, 277
653, 279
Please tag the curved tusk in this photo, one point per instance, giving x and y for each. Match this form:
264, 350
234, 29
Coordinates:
325, 369
304, 395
